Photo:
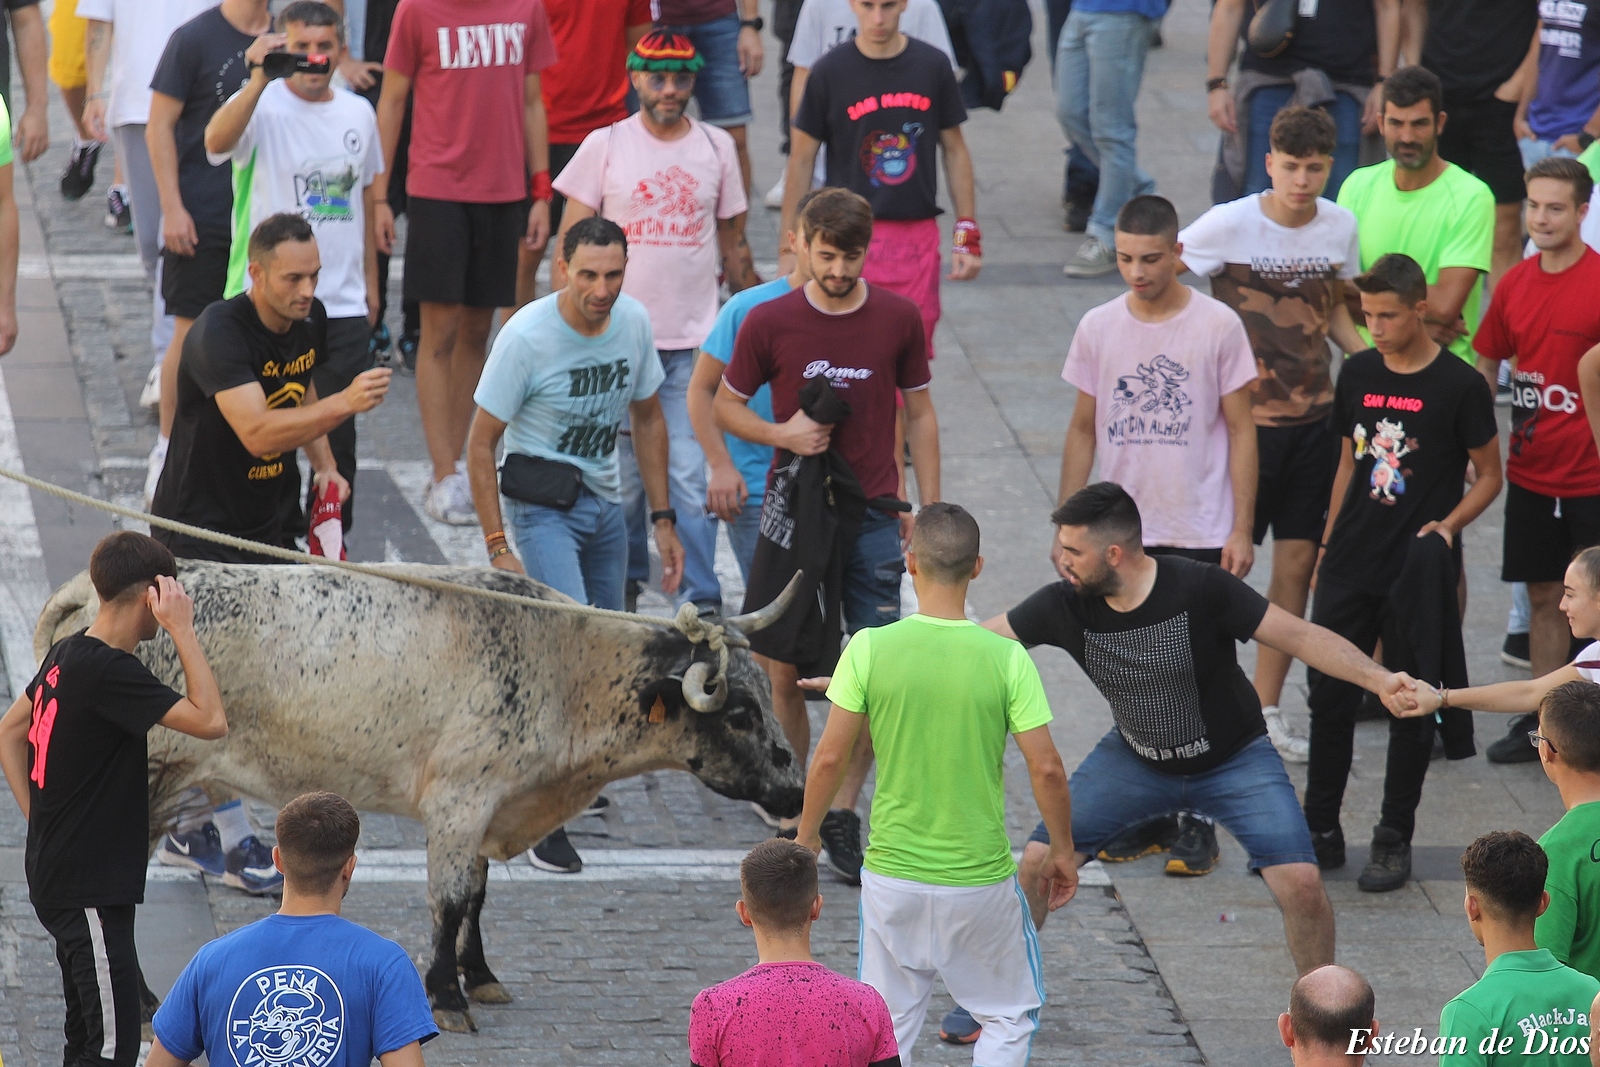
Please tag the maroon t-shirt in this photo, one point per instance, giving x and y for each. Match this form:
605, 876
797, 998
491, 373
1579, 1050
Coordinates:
866, 354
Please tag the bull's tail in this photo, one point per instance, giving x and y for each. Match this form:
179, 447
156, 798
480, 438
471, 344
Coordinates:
64, 603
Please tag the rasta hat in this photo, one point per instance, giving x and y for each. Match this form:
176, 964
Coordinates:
662, 51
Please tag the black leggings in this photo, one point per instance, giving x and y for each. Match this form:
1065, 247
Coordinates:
95, 950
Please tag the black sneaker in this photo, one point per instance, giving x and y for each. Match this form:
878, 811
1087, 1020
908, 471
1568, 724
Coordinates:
1515, 652
1078, 217
119, 211
1145, 839
598, 806
1514, 747
1388, 862
408, 352
1329, 847
1196, 851
841, 844
788, 833
78, 178
555, 853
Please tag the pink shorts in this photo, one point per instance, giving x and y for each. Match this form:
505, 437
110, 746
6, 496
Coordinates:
904, 258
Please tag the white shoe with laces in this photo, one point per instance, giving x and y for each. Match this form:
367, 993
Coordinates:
1291, 746
152, 477
150, 395
774, 197
449, 500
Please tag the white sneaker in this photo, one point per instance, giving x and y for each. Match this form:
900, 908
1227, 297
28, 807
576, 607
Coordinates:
1093, 259
150, 395
774, 198
1291, 746
449, 500
158, 461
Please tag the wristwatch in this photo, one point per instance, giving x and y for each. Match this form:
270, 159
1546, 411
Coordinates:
1585, 139
670, 514
1213, 84
758, 23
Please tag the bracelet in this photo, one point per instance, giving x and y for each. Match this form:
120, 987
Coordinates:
497, 553
967, 238
1585, 139
1213, 84
1444, 699
498, 535
97, 96
667, 514
539, 186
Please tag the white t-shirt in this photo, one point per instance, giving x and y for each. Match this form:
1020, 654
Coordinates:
315, 159
1158, 423
140, 29
825, 24
1588, 662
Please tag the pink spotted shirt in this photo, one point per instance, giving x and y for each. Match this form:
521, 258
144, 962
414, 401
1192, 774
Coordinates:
791, 1015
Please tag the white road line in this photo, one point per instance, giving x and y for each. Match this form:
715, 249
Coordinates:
23, 584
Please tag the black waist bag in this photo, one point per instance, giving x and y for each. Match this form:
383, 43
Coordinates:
536, 480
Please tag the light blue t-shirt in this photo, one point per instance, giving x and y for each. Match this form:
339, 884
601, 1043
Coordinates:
753, 460
292, 990
1150, 9
563, 395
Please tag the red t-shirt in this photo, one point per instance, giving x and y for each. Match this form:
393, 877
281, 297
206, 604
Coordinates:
588, 87
778, 1014
1547, 321
867, 354
467, 63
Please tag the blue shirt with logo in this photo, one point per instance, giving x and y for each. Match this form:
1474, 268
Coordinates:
1569, 68
295, 991
753, 460
562, 395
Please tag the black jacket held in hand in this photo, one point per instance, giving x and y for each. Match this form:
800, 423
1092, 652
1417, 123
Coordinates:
1424, 634
993, 43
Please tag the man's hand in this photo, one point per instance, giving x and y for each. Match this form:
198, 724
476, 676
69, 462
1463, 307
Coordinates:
1219, 107
1441, 529
1399, 694
538, 226
359, 74
964, 268
178, 234
1424, 700
94, 119
726, 492
1569, 142
33, 132
8, 329
804, 436
818, 684
320, 480
171, 606
1059, 874
1446, 333
671, 556
1238, 554
1372, 111
383, 227
267, 42
751, 53
367, 391
908, 526
508, 561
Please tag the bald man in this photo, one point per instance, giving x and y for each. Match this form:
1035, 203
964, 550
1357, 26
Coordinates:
1326, 1006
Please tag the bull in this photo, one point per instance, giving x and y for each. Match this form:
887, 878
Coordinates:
490, 722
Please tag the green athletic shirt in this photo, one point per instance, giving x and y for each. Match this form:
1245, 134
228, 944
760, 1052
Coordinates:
1590, 157
1448, 223
5, 135
1528, 997
1570, 927
940, 696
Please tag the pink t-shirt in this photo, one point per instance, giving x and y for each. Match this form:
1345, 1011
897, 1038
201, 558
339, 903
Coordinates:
1159, 430
468, 64
667, 196
790, 1015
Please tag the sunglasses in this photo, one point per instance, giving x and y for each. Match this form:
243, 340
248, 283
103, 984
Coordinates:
659, 80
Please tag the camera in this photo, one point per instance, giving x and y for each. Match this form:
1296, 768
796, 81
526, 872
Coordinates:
282, 64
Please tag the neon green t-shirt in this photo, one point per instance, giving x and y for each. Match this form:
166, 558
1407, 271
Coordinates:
1448, 223
1590, 157
1539, 1007
6, 154
1570, 927
940, 696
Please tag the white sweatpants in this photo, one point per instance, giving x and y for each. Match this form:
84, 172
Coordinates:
979, 939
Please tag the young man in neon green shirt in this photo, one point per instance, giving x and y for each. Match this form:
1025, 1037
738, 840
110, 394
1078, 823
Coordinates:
1569, 748
939, 891
1433, 211
1528, 1008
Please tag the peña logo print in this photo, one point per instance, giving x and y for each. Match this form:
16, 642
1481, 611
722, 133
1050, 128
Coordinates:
286, 1017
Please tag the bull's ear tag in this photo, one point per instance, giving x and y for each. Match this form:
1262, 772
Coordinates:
658, 710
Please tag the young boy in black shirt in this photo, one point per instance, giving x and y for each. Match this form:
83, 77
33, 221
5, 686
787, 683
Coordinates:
74, 753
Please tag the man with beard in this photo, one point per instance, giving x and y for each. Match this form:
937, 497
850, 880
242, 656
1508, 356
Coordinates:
1418, 204
1156, 635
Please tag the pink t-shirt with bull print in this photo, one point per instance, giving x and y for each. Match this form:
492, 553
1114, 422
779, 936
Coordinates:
791, 1015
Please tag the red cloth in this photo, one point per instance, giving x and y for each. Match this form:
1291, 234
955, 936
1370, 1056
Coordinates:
866, 354
326, 534
588, 87
468, 64
1547, 321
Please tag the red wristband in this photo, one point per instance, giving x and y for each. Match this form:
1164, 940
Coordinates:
539, 187
967, 239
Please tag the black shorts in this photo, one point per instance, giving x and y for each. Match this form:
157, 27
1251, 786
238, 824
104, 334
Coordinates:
1297, 465
463, 253
1544, 533
190, 283
560, 156
1479, 139
1199, 555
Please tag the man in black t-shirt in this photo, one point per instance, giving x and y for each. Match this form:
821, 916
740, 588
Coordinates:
1411, 416
1156, 635
246, 401
73, 750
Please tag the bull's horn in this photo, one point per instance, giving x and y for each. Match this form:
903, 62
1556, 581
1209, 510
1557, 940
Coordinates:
762, 618
694, 689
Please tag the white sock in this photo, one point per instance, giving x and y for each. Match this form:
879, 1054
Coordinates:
194, 811
233, 823
78, 145
1269, 709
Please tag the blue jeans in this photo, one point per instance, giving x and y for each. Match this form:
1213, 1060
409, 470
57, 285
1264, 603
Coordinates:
583, 551
743, 533
1265, 103
720, 88
1099, 65
1534, 150
1250, 795
686, 490
870, 593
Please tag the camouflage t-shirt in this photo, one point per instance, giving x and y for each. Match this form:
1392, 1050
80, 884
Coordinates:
1281, 282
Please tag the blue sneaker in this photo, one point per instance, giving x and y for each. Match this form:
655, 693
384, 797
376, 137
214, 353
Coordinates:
199, 850
250, 868
959, 1027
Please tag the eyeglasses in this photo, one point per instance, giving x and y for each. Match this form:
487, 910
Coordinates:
1534, 737
659, 80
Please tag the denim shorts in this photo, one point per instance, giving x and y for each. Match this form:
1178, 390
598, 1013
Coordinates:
871, 592
1250, 795
720, 88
